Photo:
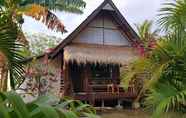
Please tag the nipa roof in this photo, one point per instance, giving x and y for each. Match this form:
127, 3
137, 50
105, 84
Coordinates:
118, 17
82, 54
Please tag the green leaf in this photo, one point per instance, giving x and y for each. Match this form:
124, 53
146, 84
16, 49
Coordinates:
18, 105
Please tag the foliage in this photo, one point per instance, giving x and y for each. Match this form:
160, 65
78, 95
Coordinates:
168, 92
74, 6
11, 106
165, 72
40, 10
172, 15
10, 54
145, 31
165, 69
147, 36
39, 43
11, 20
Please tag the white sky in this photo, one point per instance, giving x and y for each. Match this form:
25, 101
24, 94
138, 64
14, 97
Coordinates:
135, 11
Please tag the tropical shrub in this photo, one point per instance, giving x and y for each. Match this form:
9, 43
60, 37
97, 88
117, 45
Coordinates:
147, 37
164, 85
12, 106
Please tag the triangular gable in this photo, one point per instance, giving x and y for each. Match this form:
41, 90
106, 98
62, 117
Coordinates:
106, 5
103, 30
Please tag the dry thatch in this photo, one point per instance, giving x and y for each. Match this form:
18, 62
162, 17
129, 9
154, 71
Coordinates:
82, 53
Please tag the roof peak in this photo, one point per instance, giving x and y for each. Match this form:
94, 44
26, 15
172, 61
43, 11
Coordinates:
108, 1
107, 5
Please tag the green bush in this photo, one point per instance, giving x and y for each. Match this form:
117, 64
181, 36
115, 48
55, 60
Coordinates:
12, 106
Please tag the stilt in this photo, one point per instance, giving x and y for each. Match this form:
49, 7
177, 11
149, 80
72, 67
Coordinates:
119, 104
102, 103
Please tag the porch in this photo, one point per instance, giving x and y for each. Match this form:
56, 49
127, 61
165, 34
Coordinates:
99, 82
92, 72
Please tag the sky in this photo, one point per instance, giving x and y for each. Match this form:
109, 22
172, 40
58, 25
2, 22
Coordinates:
135, 12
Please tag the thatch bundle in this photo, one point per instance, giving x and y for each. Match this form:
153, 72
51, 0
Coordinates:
82, 53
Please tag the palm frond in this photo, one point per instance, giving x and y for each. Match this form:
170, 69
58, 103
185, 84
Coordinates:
47, 17
74, 6
172, 15
145, 31
10, 48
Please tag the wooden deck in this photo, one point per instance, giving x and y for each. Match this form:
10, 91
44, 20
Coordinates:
101, 92
94, 96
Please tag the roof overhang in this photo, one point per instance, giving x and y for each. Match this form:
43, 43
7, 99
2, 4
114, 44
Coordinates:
83, 54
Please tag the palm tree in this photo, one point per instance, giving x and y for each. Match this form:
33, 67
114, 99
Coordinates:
40, 11
172, 16
165, 68
147, 35
167, 92
145, 31
12, 38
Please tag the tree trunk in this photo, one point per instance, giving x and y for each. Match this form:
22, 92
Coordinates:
3, 79
3, 73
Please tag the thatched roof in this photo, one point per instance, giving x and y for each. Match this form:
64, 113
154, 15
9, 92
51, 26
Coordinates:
122, 22
99, 54
119, 18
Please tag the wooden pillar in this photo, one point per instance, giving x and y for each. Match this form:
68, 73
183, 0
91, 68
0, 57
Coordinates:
67, 82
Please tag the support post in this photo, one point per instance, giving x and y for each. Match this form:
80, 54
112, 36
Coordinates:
102, 103
119, 104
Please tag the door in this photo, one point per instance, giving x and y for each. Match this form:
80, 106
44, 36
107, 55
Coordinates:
76, 72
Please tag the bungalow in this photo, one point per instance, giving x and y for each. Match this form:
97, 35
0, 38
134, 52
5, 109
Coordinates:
91, 58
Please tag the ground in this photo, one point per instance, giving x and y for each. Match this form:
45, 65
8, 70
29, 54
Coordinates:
124, 114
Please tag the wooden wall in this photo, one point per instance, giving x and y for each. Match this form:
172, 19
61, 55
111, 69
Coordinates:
50, 83
103, 30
